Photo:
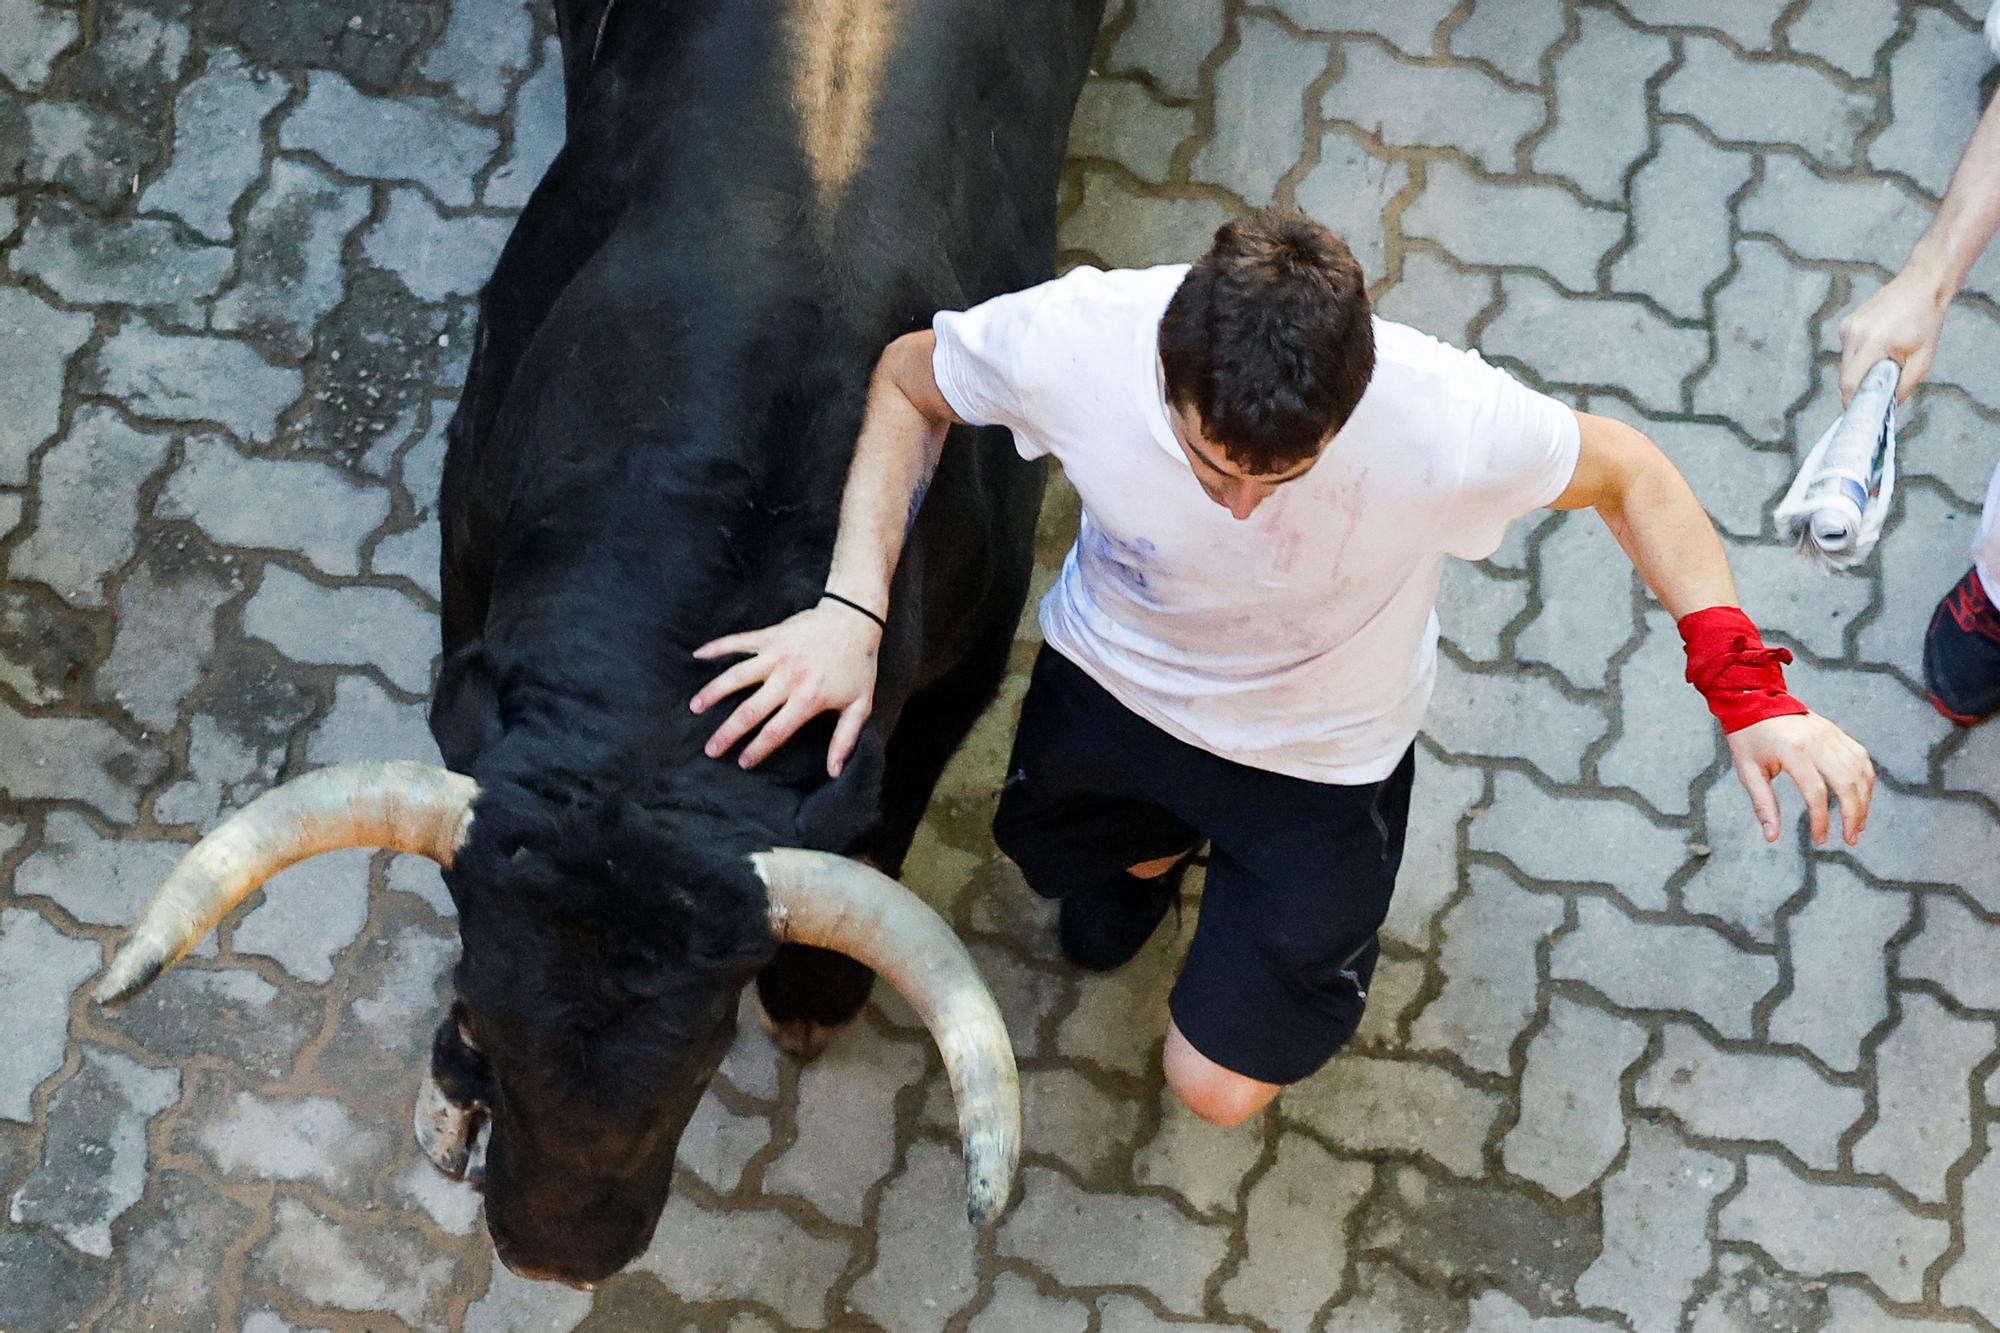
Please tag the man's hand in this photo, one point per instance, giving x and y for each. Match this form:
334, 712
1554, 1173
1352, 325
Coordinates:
1820, 757
822, 659
1902, 322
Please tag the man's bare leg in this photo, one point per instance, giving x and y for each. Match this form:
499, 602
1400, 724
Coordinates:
1219, 1096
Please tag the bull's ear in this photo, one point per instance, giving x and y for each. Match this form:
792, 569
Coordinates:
837, 813
465, 707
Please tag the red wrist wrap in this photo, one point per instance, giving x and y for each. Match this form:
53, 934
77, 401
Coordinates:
1742, 680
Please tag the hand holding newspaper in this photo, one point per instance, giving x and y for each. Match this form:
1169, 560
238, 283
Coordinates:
1837, 504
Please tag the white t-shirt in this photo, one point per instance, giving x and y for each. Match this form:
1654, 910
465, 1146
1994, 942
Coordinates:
1302, 640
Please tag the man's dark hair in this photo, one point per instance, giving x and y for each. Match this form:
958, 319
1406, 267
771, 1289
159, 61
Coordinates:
1268, 340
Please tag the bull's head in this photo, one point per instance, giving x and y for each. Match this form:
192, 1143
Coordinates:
590, 1079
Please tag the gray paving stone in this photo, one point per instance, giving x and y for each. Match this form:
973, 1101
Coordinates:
1744, 880
39, 968
37, 32
1350, 189
1017, 1305
1783, 102
1657, 966
1958, 846
925, 1261
1296, 1219
435, 256
46, 646
409, 139
1488, 951
1929, 555
1681, 235
1585, 581
1467, 1233
519, 1305
94, 1149
384, 1266
224, 774
1763, 339
752, 1063
87, 491
415, 554
400, 988
452, 1204
1813, 1228
1512, 716
1933, 100
485, 47
1855, 1311
1166, 41
1592, 342
1753, 1095
1120, 120
90, 151
44, 1284
218, 153
1109, 227
1954, 949
1118, 1020
1475, 606
1496, 1313
1747, 23
1870, 220
366, 724
1793, 600
1669, 741
309, 913
173, 1245
1513, 39
718, 1144
1572, 1126
754, 1254
324, 517
1616, 844
1430, 106
165, 638
290, 274
1600, 125
1069, 1118
1385, 1299
1655, 1229
36, 343
1845, 33
1485, 222
1923, 1112
140, 261
1947, 443
846, 1128
345, 626
1259, 118
192, 378
1435, 297
293, 1138
230, 1016
1203, 1163
1086, 1239
98, 880
537, 122
1834, 1004
1367, 1105
1965, 353
1410, 27
74, 759
1972, 1279
1751, 1294
1124, 1314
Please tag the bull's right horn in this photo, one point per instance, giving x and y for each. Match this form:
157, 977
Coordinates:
400, 806
840, 904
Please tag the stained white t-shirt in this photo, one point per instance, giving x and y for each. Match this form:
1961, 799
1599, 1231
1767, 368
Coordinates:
1302, 640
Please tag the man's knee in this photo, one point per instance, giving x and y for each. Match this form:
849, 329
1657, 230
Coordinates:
1219, 1096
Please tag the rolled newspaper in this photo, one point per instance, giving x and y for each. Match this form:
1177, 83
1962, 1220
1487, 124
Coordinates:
1836, 505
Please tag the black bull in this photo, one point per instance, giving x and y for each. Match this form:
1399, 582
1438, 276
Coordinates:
669, 373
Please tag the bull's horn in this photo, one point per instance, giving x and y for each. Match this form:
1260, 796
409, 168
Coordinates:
401, 806
837, 903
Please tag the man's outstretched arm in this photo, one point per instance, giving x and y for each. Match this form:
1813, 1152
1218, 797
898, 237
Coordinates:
824, 658
1650, 509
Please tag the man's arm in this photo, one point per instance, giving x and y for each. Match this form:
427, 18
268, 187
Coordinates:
1904, 319
1650, 509
824, 658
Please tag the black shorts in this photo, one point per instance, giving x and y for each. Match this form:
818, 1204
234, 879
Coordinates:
1299, 872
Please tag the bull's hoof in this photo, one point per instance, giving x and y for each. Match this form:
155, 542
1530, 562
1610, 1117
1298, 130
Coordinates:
448, 1131
800, 1038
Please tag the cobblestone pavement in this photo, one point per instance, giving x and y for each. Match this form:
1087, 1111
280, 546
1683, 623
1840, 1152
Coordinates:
1625, 1067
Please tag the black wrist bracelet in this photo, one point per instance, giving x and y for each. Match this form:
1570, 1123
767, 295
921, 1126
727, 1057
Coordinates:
830, 595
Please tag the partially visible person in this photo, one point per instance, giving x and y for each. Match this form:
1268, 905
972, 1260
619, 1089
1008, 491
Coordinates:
1903, 321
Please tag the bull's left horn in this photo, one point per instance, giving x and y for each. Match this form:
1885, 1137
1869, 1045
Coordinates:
837, 903
401, 806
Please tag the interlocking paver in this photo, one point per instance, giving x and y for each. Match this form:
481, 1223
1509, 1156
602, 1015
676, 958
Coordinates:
1617, 845
1350, 190
1601, 123
1845, 33
1657, 966
751, 1253
309, 913
1582, 584
1168, 41
381, 1268
1432, 106
1665, 746
94, 1151
1437, 297
1512, 39
1497, 1313
1815, 1228
925, 1262
1364, 1104
535, 131
1203, 1163
1972, 1280
1834, 1005
1744, 880
217, 153
485, 46
412, 139
1487, 953
1547, 228
1923, 1111
1770, 102
1519, 716
166, 610
307, 1138
846, 1132
1680, 221
1749, 1095
143, 261
290, 275
1296, 1217
174, 1244
1120, 120
1253, 144
1572, 1126
1763, 341
37, 32
1479, 1233
1411, 27
178, 377
86, 525
1575, 341
1655, 1229
36, 343
1087, 1239
1933, 100
1747, 23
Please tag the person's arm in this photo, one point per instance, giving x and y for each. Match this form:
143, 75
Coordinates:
1650, 509
1904, 319
824, 658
